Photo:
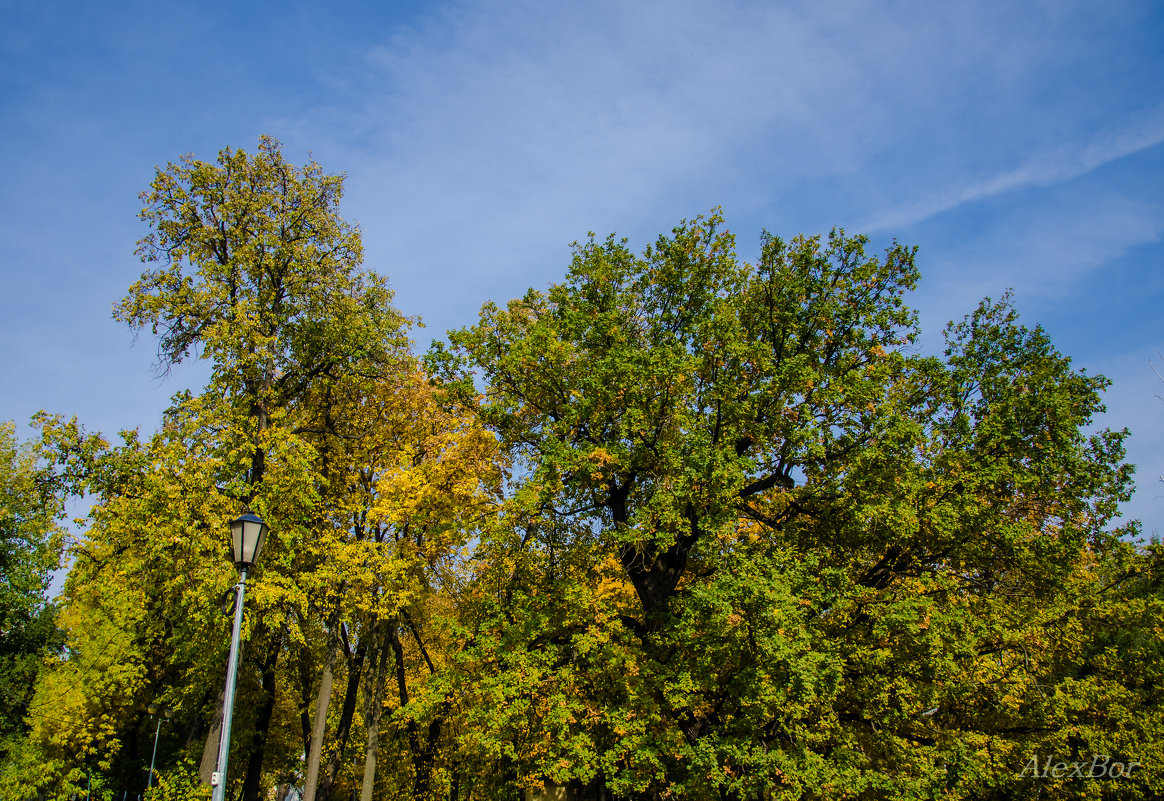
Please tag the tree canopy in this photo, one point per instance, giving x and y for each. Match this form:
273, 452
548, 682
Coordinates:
818, 565
31, 506
678, 526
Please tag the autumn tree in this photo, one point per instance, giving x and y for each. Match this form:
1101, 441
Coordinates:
259, 274
251, 268
759, 548
31, 538
426, 473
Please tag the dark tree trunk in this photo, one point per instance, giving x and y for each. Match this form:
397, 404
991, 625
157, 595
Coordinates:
305, 697
375, 705
455, 783
344, 730
254, 772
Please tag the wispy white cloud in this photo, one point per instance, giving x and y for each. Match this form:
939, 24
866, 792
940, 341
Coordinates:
481, 136
484, 140
510, 130
1045, 247
1062, 163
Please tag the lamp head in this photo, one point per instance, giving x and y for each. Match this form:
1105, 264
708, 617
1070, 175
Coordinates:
247, 532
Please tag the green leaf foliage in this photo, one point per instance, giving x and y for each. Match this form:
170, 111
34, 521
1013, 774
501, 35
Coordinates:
759, 549
31, 537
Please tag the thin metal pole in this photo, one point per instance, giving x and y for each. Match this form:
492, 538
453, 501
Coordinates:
219, 793
150, 782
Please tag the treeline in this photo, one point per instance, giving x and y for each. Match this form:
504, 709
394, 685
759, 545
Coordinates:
677, 527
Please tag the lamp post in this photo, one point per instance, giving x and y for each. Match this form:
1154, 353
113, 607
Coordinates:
167, 713
247, 535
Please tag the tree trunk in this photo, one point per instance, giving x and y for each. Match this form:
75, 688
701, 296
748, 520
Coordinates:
375, 697
254, 774
355, 670
209, 762
455, 783
323, 699
423, 750
425, 759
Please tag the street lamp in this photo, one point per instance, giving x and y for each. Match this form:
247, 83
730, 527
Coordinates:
247, 533
167, 713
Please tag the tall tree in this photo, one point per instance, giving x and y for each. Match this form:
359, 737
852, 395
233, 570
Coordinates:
260, 274
757, 548
250, 267
31, 538
317, 417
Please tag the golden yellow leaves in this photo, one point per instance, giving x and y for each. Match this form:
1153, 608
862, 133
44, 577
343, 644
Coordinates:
441, 467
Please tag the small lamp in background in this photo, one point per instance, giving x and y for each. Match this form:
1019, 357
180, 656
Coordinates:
167, 713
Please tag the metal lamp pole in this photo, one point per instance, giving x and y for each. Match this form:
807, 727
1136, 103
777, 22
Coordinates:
166, 714
248, 533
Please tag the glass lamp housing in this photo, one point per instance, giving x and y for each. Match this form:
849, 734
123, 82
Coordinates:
247, 533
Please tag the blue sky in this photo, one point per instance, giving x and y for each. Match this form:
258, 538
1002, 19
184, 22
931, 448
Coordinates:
1018, 144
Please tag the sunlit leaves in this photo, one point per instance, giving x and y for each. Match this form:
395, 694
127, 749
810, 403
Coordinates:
819, 564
